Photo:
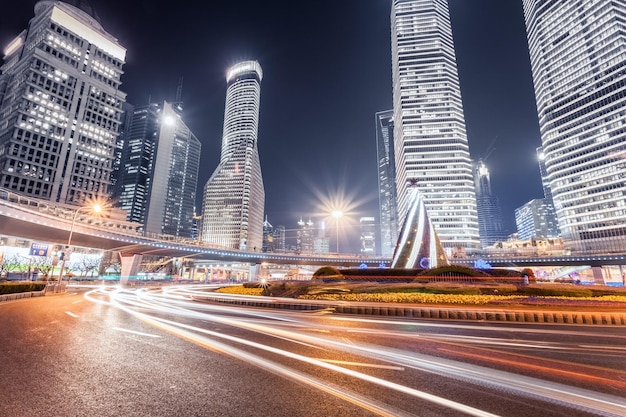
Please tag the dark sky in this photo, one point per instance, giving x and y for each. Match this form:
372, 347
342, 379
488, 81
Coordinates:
327, 70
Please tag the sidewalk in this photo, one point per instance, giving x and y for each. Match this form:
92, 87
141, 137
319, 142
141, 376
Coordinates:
488, 313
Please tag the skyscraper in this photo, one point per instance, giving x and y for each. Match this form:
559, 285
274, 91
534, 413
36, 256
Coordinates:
158, 175
536, 219
60, 105
368, 235
489, 212
388, 210
429, 126
234, 196
577, 55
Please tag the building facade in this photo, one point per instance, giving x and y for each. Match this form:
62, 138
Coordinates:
490, 221
158, 175
60, 105
536, 219
578, 61
387, 199
429, 126
368, 235
234, 196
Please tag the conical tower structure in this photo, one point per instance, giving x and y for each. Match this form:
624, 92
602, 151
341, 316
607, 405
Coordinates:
418, 244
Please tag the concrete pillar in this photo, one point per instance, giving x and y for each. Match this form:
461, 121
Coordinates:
130, 266
598, 275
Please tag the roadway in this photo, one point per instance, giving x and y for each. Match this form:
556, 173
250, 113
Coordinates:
112, 352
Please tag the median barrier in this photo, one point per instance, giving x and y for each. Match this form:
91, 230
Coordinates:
444, 313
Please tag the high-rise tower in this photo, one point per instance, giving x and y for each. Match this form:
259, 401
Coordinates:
234, 196
387, 200
489, 212
158, 174
60, 105
577, 54
429, 126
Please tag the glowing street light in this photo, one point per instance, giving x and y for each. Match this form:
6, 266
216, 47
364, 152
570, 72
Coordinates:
95, 209
337, 214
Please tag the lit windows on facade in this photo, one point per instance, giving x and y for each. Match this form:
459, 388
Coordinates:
368, 235
536, 219
578, 61
60, 106
234, 195
387, 198
158, 175
489, 213
429, 126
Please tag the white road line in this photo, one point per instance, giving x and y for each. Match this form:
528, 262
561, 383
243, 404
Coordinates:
69, 313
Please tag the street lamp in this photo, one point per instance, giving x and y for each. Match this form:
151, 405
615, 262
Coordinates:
337, 214
95, 209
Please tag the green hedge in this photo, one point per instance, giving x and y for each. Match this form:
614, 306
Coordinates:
15, 287
556, 291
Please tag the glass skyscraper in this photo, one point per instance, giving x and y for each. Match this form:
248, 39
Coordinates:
489, 213
234, 196
158, 174
578, 59
388, 211
431, 144
60, 105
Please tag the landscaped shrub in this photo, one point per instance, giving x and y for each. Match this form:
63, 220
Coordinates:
327, 272
500, 289
453, 271
599, 291
451, 289
287, 289
15, 287
255, 284
555, 291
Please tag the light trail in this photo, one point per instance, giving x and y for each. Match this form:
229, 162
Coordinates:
119, 329
303, 329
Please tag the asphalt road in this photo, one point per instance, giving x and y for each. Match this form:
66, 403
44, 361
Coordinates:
113, 352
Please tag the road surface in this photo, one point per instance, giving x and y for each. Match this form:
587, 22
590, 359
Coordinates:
126, 352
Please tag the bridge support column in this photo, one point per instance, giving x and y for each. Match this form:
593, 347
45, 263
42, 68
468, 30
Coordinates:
598, 275
130, 266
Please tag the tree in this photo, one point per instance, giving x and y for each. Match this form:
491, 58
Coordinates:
9, 263
43, 265
86, 264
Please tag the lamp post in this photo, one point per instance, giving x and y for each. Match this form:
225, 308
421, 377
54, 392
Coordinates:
96, 208
337, 214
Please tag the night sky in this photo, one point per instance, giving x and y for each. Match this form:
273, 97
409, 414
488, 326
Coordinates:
327, 71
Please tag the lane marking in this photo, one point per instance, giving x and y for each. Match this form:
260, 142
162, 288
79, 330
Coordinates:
69, 313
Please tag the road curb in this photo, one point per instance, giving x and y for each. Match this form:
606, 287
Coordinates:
20, 295
447, 313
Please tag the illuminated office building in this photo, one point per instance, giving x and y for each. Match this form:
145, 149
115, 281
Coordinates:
536, 219
578, 60
489, 213
368, 235
60, 105
388, 212
234, 196
158, 174
431, 144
